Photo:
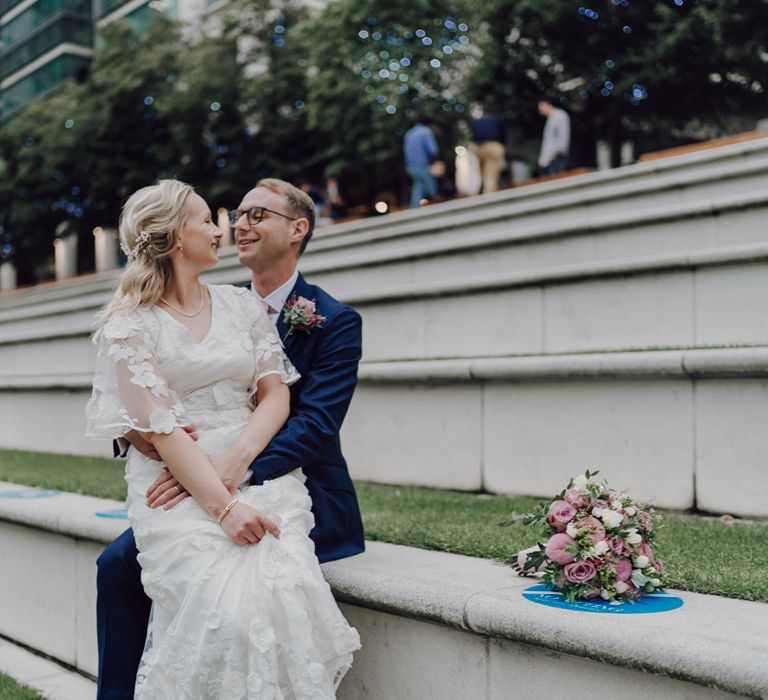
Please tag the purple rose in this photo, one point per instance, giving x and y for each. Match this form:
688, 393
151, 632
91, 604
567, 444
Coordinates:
560, 514
580, 571
556, 546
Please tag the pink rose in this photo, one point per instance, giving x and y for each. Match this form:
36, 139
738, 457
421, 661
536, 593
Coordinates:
556, 546
560, 514
577, 498
580, 571
645, 549
659, 566
591, 594
307, 304
624, 570
592, 523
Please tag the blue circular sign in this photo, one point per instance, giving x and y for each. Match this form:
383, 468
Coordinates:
30, 493
118, 514
649, 603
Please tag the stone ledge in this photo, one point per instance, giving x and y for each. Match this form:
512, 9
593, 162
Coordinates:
337, 248
52, 681
562, 274
682, 363
581, 225
710, 641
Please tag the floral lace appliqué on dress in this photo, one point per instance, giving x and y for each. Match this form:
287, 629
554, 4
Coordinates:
228, 622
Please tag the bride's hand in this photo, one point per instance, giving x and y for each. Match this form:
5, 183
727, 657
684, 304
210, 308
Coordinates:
231, 468
245, 525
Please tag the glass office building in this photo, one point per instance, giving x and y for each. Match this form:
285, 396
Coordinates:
45, 42
42, 43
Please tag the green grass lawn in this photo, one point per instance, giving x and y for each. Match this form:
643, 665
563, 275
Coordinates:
11, 690
702, 554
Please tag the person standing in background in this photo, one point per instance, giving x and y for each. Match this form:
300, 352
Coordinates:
337, 207
488, 147
419, 150
556, 139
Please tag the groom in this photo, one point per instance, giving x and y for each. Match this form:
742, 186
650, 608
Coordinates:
273, 225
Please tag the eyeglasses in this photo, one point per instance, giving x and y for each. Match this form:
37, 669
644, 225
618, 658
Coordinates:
255, 215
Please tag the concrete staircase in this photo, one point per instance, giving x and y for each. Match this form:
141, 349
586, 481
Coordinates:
615, 320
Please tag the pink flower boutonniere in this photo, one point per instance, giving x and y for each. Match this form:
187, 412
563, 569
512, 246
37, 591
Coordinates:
300, 314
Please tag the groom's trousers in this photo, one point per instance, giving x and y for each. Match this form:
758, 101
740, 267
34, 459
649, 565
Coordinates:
122, 616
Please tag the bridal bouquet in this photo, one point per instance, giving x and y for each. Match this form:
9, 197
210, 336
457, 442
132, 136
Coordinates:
598, 544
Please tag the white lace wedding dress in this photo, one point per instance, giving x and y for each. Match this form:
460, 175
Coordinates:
228, 622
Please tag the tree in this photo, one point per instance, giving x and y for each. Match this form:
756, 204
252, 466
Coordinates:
663, 69
147, 111
373, 69
273, 99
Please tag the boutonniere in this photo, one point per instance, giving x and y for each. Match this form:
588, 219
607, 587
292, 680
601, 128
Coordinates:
300, 314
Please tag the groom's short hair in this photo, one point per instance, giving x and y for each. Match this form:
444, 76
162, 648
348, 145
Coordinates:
298, 201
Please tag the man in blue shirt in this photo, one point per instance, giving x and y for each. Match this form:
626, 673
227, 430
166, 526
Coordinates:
420, 149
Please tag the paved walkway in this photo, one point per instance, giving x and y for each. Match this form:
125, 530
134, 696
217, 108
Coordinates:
48, 678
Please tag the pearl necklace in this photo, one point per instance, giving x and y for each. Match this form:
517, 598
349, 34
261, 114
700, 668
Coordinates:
182, 313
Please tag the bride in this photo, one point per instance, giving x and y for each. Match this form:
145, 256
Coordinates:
239, 605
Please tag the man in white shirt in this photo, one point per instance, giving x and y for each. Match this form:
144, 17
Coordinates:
556, 140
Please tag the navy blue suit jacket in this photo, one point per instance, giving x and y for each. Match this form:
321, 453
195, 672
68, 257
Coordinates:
327, 359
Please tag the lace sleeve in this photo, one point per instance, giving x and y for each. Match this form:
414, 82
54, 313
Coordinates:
129, 390
267, 348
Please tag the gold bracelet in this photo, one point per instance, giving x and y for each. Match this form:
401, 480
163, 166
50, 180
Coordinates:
229, 507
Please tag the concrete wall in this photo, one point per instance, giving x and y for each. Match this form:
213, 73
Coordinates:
431, 624
512, 339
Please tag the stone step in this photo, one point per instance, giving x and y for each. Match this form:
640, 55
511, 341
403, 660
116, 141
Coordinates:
681, 427
432, 624
464, 296
51, 680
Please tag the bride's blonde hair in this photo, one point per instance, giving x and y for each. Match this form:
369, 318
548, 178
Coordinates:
149, 229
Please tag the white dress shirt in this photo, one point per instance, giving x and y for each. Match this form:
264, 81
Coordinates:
556, 139
275, 301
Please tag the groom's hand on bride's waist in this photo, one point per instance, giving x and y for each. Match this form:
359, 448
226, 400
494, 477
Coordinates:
165, 491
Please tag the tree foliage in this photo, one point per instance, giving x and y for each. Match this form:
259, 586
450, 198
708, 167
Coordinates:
374, 68
686, 69
147, 111
270, 88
